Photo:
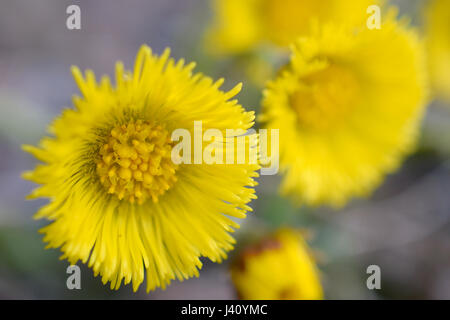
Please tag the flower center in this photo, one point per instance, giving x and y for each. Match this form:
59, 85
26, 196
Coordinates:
325, 98
135, 164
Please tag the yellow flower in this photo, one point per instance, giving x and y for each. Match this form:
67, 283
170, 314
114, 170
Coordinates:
438, 46
348, 107
280, 267
117, 201
239, 26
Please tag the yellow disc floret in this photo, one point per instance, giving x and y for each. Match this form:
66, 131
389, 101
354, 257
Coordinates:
135, 164
325, 97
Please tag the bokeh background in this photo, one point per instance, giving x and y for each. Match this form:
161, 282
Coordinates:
404, 227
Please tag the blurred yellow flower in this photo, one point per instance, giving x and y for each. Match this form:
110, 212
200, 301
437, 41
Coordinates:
438, 46
117, 201
239, 26
348, 107
280, 267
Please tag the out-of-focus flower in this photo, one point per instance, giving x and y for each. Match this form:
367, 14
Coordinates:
239, 26
348, 107
438, 46
117, 201
279, 267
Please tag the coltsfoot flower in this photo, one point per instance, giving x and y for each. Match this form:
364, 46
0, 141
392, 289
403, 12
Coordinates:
117, 200
279, 267
240, 26
438, 46
349, 107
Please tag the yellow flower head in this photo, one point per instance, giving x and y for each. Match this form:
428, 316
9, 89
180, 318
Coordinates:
240, 26
280, 267
348, 107
117, 200
438, 46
